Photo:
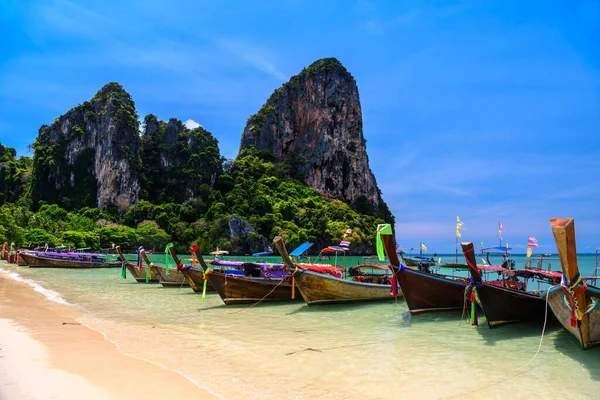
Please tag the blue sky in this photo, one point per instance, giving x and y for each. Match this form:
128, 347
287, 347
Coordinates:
486, 110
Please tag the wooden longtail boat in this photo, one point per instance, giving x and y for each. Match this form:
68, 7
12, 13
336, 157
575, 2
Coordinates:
574, 303
320, 288
171, 280
193, 276
425, 292
138, 272
502, 305
239, 289
417, 261
68, 261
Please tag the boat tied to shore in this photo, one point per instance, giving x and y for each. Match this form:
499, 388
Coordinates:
325, 288
234, 288
575, 303
140, 272
40, 259
506, 300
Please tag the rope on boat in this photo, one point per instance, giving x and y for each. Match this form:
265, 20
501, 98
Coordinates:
266, 295
543, 329
517, 370
462, 317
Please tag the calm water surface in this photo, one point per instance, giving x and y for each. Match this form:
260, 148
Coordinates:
292, 351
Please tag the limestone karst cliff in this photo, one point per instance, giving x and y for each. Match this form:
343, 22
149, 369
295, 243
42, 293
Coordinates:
178, 163
316, 120
89, 157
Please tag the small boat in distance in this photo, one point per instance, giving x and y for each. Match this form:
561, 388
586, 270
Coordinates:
267, 253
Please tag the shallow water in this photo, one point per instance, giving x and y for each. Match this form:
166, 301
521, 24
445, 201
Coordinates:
368, 351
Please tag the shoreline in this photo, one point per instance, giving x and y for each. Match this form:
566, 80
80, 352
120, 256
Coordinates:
42, 342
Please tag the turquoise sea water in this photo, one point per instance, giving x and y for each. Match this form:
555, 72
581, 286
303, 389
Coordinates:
361, 351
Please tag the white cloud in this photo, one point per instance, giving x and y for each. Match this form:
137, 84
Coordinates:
255, 56
191, 124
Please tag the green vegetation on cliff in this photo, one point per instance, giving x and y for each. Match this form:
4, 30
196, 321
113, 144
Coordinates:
15, 175
177, 163
187, 191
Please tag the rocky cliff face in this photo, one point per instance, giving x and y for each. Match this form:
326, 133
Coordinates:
315, 120
245, 239
89, 156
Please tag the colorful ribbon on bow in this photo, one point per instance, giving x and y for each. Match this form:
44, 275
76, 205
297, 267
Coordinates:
139, 257
573, 290
394, 288
123, 270
474, 299
170, 245
10, 259
294, 284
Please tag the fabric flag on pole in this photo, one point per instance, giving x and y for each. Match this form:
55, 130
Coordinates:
423, 247
459, 226
500, 228
344, 243
529, 251
348, 232
532, 242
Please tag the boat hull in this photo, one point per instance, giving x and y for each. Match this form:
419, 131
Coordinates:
174, 279
195, 278
324, 289
236, 289
426, 293
588, 333
503, 306
34, 261
140, 274
21, 261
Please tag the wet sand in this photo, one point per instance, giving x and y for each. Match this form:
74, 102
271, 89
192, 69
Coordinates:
46, 354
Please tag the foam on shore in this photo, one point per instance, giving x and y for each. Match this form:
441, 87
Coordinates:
49, 294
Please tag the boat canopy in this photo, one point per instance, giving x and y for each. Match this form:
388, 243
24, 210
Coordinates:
501, 249
333, 270
334, 249
534, 273
370, 266
263, 254
301, 249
